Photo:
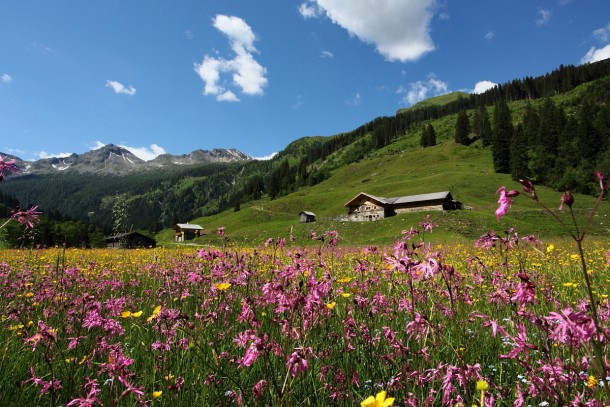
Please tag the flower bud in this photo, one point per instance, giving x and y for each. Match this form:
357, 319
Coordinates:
527, 185
512, 193
566, 199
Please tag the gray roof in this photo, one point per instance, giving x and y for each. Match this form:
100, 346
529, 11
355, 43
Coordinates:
434, 196
189, 226
309, 213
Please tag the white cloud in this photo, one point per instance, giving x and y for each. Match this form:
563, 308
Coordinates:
602, 34
418, 91
266, 158
5, 78
145, 153
309, 10
482, 86
247, 74
327, 54
596, 54
120, 89
355, 100
543, 17
44, 154
489, 35
400, 30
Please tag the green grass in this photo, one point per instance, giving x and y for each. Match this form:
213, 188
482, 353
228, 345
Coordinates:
396, 170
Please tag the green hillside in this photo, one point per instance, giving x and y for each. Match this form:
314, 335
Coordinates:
396, 170
436, 101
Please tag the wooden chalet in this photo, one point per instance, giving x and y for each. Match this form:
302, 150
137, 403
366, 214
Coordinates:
365, 207
131, 240
186, 231
306, 217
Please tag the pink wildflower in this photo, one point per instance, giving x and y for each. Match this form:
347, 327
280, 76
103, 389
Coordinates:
27, 218
297, 363
7, 166
504, 201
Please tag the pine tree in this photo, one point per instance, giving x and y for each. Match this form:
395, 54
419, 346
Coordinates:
462, 128
502, 132
431, 136
518, 155
481, 127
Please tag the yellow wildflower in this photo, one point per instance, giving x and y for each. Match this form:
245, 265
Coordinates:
157, 394
125, 314
331, 305
550, 248
591, 382
482, 385
345, 295
222, 286
379, 400
155, 313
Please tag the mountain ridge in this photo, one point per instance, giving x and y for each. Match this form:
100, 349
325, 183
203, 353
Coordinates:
117, 160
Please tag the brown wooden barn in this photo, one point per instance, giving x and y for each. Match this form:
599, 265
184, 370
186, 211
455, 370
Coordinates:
366, 207
186, 231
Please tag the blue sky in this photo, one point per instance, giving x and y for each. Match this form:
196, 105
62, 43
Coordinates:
159, 76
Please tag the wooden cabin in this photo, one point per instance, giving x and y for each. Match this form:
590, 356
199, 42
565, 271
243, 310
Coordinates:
365, 207
306, 217
187, 231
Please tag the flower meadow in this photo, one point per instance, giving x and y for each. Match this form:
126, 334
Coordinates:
505, 320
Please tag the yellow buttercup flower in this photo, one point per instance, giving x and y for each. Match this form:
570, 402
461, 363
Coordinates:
331, 305
222, 286
136, 314
155, 313
379, 400
157, 394
125, 314
345, 295
482, 385
550, 248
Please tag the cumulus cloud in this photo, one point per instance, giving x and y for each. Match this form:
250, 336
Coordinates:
44, 154
418, 91
266, 158
120, 89
482, 86
310, 10
143, 153
5, 78
543, 17
400, 30
246, 73
596, 54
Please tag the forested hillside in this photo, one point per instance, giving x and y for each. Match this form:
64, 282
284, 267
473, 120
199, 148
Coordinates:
553, 129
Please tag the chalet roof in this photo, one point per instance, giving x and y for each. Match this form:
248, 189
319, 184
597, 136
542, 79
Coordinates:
308, 213
434, 196
190, 226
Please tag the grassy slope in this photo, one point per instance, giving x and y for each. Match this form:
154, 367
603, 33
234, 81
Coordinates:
465, 171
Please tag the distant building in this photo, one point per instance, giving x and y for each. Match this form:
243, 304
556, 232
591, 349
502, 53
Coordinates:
306, 217
131, 240
365, 207
186, 231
